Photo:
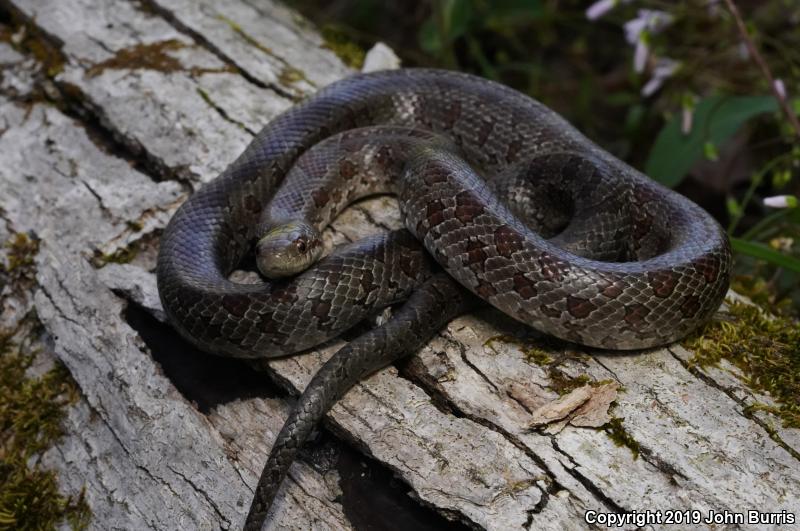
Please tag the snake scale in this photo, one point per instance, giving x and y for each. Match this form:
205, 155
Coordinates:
506, 198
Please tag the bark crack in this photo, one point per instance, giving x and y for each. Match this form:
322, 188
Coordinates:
206, 97
647, 454
73, 102
100, 414
611, 371
586, 482
57, 307
462, 349
204, 494
106, 212
745, 411
173, 21
438, 398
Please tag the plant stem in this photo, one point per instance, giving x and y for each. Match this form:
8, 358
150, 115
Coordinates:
754, 53
756, 180
765, 222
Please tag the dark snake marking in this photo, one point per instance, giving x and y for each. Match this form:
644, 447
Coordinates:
487, 175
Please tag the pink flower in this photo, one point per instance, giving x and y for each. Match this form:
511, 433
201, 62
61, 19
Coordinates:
687, 117
663, 70
640, 55
638, 32
601, 7
780, 88
598, 9
743, 50
647, 21
634, 29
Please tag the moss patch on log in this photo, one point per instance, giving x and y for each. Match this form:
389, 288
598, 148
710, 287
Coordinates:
154, 56
548, 353
288, 74
31, 411
123, 255
616, 431
337, 41
765, 348
30, 39
21, 251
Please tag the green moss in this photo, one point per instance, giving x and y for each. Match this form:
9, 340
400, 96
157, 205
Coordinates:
599, 383
763, 293
53, 62
31, 411
563, 384
21, 253
123, 255
289, 74
345, 49
135, 226
617, 433
766, 350
153, 56
252, 41
50, 57
301, 21
542, 355
533, 354
537, 356
505, 339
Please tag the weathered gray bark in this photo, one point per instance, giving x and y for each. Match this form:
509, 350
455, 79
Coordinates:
181, 86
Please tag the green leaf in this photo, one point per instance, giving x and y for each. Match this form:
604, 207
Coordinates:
429, 38
445, 25
781, 178
734, 209
715, 120
762, 252
710, 151
634, 118
455, 18
506, 13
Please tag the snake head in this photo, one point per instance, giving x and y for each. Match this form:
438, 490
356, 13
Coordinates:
288, 249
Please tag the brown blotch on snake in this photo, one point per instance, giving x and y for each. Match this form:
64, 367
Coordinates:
524, 287
507, 241
676, 267
636, 313
578, 307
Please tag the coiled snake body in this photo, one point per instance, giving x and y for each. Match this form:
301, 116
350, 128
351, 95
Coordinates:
487, 175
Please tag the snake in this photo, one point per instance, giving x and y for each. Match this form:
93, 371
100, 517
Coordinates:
503, 203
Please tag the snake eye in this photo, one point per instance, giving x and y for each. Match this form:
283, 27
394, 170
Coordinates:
301, 245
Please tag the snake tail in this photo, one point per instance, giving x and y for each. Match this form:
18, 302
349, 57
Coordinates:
433, 305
